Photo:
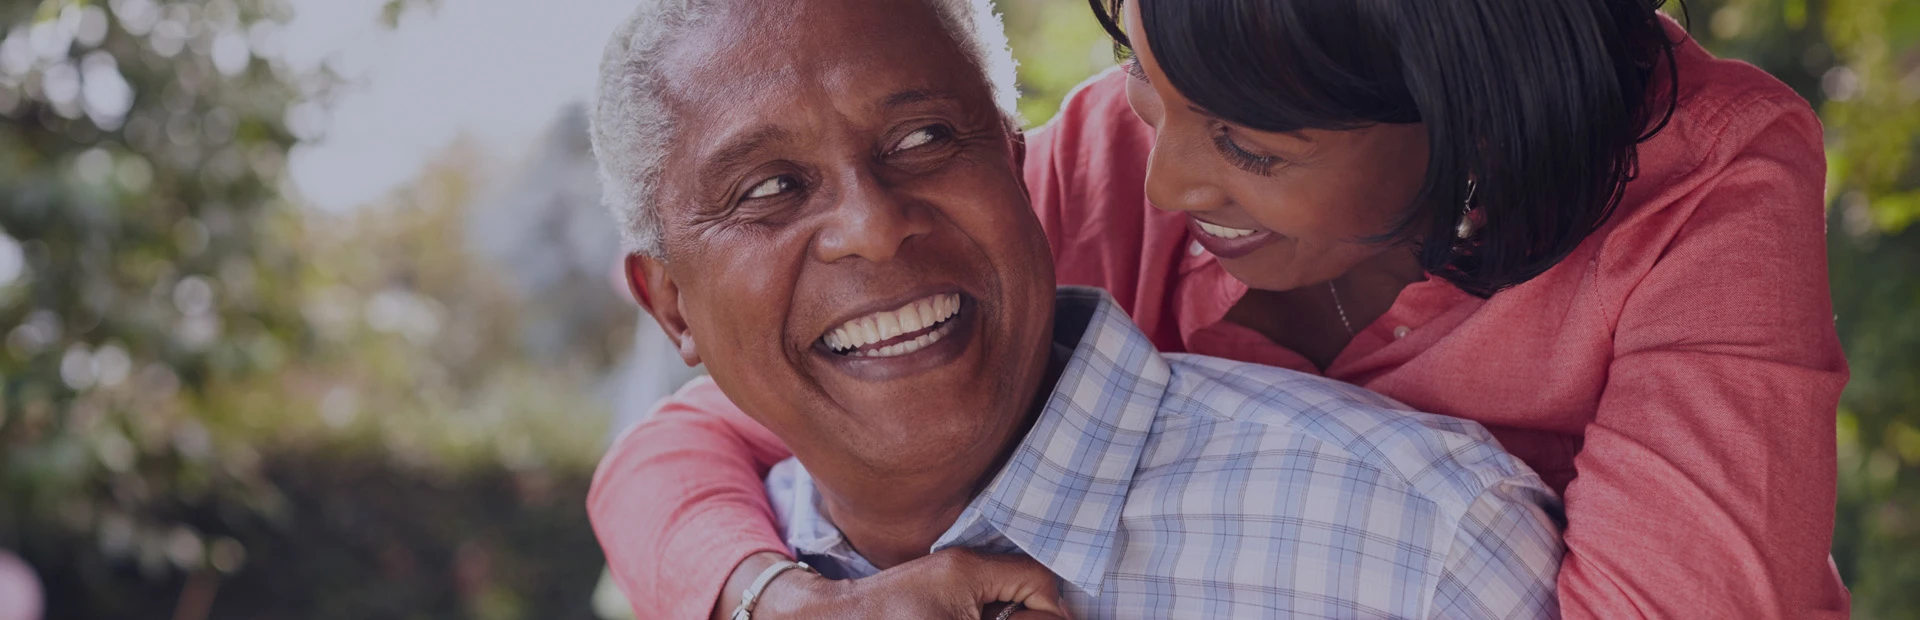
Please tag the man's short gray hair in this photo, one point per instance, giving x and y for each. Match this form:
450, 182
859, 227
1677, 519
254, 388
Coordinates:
631, 126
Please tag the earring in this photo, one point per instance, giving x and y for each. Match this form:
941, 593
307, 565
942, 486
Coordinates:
1465, 228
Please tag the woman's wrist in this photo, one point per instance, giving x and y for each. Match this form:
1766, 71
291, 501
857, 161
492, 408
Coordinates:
743, 575
801, 594
792, 594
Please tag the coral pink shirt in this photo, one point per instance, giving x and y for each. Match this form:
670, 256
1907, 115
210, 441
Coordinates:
1676, 376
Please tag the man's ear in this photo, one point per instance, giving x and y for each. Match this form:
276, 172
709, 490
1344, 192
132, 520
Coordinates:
1020, 150
1018, 140
654, 289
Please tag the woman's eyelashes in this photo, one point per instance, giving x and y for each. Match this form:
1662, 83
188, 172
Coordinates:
1242, 158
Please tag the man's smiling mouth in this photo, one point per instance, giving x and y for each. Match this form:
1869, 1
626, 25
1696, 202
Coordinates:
900, 331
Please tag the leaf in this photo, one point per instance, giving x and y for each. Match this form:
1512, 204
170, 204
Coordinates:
390, 14
1895, 212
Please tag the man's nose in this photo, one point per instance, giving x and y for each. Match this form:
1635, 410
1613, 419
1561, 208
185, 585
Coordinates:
872, 222
1179, 179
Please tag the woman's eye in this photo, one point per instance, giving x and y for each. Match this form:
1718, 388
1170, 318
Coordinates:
1243, 159
771, 187
919, 138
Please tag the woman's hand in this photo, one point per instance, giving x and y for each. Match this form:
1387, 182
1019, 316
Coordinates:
955, 584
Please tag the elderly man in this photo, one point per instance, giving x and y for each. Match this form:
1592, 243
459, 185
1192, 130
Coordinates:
826, 204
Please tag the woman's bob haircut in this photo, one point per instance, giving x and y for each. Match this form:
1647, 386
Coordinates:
1541, 104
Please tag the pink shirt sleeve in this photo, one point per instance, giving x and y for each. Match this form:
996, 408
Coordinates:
1706, 482
678, 502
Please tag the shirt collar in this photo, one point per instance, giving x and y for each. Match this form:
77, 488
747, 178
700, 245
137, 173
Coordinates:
796, 506
1060, 494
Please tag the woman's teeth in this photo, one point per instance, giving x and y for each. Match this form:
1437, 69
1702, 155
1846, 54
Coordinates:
878, 327
1224, 232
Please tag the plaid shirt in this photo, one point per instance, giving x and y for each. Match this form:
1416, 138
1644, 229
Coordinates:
1179, 486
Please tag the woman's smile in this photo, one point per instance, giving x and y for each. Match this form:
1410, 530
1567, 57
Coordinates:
1230, 242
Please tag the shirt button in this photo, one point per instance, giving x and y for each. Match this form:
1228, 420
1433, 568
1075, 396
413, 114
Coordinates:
1196, 249
1401, 332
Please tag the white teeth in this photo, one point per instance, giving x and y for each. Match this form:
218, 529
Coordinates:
1224, 232
881, 326
903, 348
924, 310
910, 318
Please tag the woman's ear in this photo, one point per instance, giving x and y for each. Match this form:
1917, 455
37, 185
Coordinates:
656, 291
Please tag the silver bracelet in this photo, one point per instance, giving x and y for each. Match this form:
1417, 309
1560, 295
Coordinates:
1007, 612
751, 596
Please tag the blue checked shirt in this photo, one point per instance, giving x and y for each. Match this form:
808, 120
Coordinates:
1180, 486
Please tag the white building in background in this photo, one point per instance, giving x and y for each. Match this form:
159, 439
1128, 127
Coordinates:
551, 239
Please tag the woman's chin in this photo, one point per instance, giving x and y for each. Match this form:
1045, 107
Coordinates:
1262, 275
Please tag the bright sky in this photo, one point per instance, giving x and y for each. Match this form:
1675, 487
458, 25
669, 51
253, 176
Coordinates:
496, 70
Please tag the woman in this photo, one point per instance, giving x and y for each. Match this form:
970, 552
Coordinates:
1560, 218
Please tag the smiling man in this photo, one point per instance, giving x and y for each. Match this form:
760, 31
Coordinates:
825, 202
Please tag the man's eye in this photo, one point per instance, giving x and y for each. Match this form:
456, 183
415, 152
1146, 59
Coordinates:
771, 187
920, 137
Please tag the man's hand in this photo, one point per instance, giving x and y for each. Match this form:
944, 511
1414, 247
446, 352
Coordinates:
954, 584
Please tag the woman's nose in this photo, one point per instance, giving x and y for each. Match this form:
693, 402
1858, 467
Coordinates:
1178, 180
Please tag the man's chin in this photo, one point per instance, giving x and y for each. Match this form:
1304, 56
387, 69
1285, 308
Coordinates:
930, 431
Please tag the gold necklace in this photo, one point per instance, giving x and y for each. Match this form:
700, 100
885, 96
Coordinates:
1341, 307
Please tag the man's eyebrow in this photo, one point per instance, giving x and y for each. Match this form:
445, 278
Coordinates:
740, 150
917, 95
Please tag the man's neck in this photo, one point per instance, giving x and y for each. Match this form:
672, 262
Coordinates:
910, 513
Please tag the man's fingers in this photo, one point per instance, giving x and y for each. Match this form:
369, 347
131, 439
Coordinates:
993, 611
1016, 578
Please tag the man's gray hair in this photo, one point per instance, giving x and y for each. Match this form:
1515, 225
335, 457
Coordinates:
631, 126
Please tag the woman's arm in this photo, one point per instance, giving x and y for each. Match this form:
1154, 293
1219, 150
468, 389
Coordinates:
680, 509
1706, 483
678, 502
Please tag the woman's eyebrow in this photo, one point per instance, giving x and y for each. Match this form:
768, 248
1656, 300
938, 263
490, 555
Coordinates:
1291, 133
1131, 65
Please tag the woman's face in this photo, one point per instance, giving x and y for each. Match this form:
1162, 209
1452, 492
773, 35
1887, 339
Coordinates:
1280, 210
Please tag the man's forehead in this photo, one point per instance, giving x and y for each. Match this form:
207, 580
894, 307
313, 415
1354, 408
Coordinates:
744, 48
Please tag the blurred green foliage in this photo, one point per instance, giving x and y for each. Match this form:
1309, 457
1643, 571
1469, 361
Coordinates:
1058, 44
1858, 62
216, 403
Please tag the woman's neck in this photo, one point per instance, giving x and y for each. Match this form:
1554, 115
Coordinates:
1314, 320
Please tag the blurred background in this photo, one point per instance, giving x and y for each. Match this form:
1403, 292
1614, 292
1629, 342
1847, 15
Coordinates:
307, 307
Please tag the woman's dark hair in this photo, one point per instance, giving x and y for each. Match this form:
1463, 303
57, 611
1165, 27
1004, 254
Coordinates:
1542, 102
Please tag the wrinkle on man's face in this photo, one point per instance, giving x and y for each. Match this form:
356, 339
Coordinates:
789, 203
